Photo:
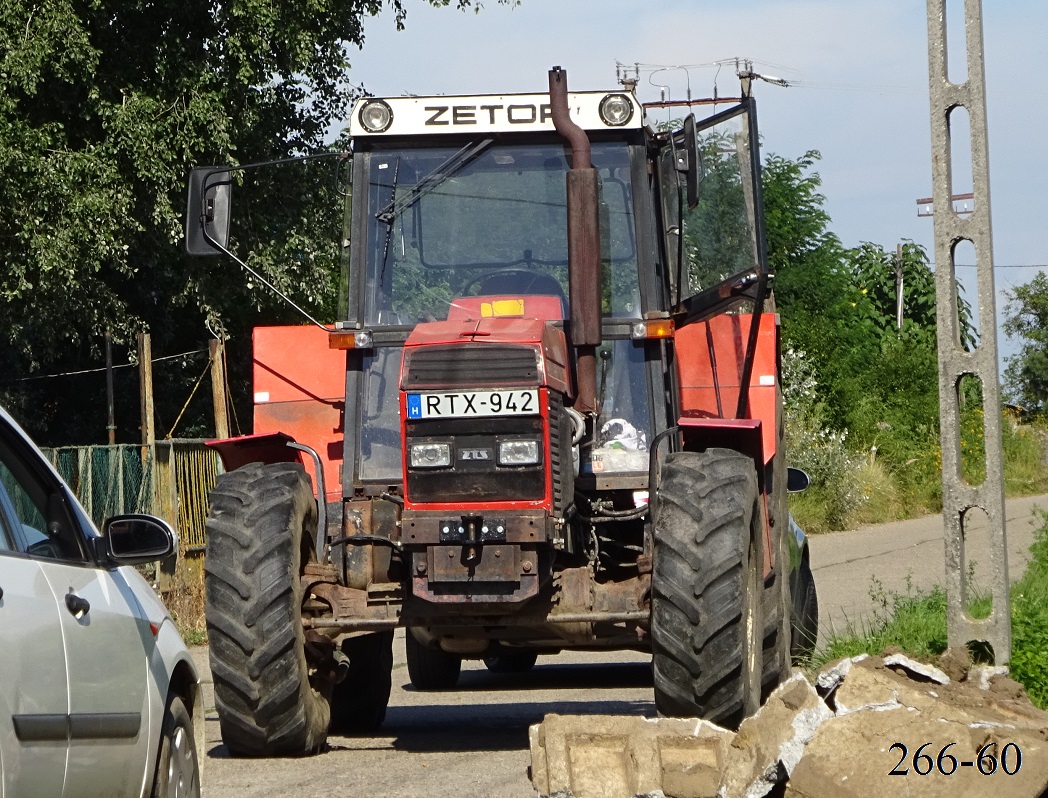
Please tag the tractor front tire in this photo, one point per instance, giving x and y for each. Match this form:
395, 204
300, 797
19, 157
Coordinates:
358, 702
260, 527
430, 668
707, 624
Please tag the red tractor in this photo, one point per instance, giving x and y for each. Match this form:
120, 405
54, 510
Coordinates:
550, 419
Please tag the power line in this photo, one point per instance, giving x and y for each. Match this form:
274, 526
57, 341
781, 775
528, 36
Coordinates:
102, 368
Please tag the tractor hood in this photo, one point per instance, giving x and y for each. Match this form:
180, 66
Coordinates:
457, 343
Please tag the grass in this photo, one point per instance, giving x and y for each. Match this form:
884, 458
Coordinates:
915, 621
1025, 457
903, 478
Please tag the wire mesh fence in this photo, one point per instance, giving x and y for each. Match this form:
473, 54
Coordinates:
169, 479
107, 479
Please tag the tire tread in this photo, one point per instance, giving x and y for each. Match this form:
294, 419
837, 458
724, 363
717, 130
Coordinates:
256, 521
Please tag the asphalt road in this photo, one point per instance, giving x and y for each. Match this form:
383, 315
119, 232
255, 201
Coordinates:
473, 741
849, 566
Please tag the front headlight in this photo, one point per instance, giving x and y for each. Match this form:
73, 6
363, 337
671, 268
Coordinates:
430, 455
616, 110
376, 116
515, 453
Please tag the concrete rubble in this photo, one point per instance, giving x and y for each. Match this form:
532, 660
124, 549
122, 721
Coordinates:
867, 726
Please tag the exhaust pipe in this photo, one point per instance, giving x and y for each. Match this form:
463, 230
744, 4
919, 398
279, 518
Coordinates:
584, 278
562, 121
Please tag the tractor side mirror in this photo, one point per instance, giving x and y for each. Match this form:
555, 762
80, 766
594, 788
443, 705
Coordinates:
692, 175
207, 211
796, 480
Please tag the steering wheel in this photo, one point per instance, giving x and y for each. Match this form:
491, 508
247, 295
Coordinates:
519, 281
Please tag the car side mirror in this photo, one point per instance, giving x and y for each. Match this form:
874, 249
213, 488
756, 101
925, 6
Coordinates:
796, 480
137, 539
207, 210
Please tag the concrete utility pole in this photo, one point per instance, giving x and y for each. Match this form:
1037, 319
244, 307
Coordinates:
951, 228
898, 286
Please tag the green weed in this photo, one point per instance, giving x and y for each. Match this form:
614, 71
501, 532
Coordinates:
915, 621
901, 473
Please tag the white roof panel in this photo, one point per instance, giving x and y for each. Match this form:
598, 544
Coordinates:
489, 113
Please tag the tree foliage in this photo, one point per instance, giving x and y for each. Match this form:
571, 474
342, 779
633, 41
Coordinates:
1026, 318
838, 308
104, 107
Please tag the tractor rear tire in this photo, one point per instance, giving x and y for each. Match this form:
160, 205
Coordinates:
430, 668
358, 702
260, 528
707, 624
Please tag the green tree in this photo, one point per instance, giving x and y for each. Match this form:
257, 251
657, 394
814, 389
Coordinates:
838, 307
104, 107
875, 271
1026, 318
814, 290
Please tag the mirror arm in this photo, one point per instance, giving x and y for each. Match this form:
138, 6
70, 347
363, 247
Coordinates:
341, 155
267, 283
99, 549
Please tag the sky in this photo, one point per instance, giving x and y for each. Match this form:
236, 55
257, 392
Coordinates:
859, 91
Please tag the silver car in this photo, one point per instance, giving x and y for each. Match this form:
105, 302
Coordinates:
98, 694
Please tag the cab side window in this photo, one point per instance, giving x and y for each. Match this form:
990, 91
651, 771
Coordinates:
38, 507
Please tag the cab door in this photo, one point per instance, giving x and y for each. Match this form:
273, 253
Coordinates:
713, 233
33, 690
712, 213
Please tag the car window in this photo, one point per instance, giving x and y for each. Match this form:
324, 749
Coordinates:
38, 507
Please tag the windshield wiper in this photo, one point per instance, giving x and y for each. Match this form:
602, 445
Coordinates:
396, 206
389, 224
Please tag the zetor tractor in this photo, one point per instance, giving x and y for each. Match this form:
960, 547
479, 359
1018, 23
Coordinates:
550, 418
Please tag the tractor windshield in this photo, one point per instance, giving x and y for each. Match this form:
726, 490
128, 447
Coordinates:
487, 219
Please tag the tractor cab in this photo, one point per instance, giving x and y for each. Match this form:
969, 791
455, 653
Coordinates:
461, 214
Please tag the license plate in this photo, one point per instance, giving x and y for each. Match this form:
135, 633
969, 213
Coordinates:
467, 404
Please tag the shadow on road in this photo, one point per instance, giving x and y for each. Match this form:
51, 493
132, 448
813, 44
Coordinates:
487, 725
449, 722
464, 727
553, 677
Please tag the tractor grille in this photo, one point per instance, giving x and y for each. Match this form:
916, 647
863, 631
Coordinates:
470, 365
561, 472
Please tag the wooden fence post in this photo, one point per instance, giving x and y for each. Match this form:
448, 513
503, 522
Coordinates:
145, 386
165, 494
218, 387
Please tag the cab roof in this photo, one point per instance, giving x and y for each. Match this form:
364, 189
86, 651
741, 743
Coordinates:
489, 113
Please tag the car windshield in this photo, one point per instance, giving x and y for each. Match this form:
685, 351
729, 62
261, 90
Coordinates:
487, 219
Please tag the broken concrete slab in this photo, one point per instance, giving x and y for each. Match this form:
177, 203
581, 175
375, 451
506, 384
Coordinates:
610, 756
871, 725
830, 677
769, 745
871, 752
917, 669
